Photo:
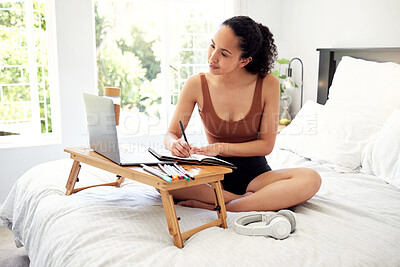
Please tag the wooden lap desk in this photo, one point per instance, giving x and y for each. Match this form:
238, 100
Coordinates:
203, 174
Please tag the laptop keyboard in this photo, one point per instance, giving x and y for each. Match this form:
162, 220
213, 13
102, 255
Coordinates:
133, 157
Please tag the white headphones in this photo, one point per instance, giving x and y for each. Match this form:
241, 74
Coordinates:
278, 225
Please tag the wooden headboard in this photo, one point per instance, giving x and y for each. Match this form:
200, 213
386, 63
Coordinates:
329, 58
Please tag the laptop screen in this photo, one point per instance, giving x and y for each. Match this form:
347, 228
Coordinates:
102, 129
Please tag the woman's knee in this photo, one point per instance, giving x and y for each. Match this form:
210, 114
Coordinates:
312, 178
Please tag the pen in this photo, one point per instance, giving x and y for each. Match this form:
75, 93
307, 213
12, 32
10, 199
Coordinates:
174, 176
174, 172
164, 170
184, 171
183, 131
181, 173
156, 173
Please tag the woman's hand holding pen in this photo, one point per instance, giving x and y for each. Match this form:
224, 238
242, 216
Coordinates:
181, 148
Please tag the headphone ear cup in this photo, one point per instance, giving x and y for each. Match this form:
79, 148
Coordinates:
279, 227
290, 216
270, 218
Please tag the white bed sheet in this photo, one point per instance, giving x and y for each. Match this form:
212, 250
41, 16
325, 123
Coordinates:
354, 220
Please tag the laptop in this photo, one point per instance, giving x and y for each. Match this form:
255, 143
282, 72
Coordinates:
103, 136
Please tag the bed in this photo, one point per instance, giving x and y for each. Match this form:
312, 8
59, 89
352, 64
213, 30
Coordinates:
350, 137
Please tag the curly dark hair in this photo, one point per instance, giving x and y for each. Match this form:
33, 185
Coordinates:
256, 41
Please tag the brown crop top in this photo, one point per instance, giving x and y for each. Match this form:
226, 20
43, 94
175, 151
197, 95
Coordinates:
219, 130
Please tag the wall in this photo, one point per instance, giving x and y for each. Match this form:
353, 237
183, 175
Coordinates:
75, 61
76, 65
300, 27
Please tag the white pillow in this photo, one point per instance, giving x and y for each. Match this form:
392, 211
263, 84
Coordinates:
365, 87
362, 95
299, 134
326, 135
381, 156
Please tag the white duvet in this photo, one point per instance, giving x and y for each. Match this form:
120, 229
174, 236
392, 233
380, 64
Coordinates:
354, 220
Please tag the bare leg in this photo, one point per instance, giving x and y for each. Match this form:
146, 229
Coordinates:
277, 190
272, 190
196, 204
203, 193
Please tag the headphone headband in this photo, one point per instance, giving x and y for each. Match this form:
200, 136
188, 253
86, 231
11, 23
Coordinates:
241, 224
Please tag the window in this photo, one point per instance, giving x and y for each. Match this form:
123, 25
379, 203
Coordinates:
25, 106
149, 49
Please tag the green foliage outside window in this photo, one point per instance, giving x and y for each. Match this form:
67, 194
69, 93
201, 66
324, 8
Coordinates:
15, 103
128, 62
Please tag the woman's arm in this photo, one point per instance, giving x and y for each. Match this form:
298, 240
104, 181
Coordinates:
183, 111
269, 126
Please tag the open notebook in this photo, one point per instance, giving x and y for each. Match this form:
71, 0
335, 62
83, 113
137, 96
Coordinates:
193, 159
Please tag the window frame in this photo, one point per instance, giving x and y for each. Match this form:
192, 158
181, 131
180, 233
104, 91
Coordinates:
166, 108
37, 138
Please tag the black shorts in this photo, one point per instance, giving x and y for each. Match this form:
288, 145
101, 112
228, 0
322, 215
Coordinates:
248, 168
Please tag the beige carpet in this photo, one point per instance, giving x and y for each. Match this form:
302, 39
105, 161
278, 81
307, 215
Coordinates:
10, 255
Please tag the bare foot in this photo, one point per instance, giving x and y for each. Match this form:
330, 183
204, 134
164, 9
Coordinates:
195, 204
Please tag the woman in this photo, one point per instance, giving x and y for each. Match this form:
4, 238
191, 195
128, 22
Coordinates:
238, 101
